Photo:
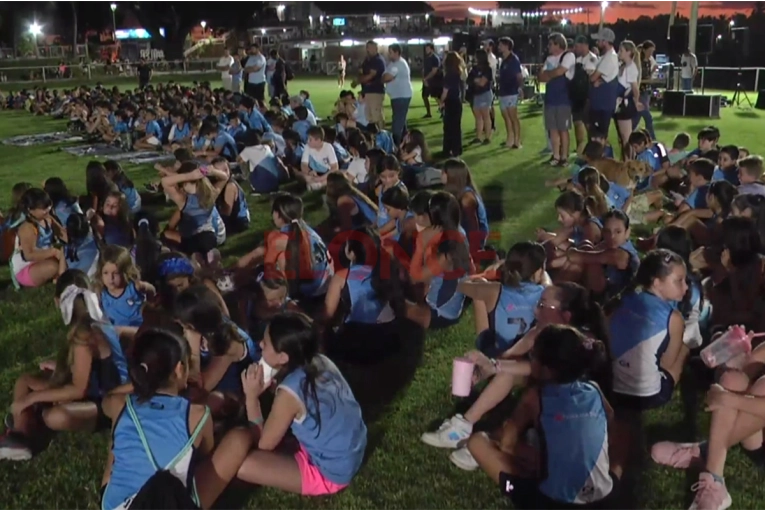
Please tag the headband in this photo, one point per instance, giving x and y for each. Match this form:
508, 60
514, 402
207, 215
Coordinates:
176, 266
66, 303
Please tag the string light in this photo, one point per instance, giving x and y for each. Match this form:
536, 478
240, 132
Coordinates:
563, 12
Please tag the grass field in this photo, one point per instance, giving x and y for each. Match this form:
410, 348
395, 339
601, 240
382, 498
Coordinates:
400, 403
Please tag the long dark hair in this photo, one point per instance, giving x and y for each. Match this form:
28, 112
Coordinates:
97, 185
386, 281
58, 192
724, 192
290, 209
154, 355
198, 307
295, 335
756, 204
677, 240
523, 260
656, 264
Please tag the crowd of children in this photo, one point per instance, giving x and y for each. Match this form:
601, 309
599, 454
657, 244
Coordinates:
174, 358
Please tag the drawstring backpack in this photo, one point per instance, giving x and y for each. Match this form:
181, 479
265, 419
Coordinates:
164, 489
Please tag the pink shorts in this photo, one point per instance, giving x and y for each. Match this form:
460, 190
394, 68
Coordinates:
314, 483
24, 278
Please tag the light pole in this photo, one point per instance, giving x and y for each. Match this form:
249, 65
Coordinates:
113, 7
603, 7
35, 30
204, 28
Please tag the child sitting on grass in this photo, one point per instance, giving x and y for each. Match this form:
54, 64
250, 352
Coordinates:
317, 161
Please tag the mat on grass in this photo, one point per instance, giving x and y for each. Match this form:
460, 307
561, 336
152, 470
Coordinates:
42, 138
105, 150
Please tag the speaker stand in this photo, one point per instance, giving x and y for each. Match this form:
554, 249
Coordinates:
739, 92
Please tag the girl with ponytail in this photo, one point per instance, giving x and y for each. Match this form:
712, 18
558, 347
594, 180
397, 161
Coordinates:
566, 304
156, 433
71, 389
314, 402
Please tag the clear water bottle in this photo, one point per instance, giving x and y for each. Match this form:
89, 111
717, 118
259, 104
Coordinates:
731, 344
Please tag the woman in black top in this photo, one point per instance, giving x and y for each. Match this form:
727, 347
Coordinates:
479, 85
451, 101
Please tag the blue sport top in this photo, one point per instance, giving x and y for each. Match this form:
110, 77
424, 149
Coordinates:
335, 445
483, 221
125, 309
321, 268
62, 210
231, 382
639, 331
365, 306
514, 314
99, 385
618, 279
194, 218
573, 427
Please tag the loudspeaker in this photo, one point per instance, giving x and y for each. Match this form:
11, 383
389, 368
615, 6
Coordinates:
740, 37
674, 103
707, 106
705, 39
678, 39
760, 105
470, 42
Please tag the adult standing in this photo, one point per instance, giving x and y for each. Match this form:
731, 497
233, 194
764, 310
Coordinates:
604, 86
479, 82
278, 83
558, 69
451, 102
689, 64
144, 72
433, 77
398, 84
224, 66
647, 67
270, 66
488, 45
371, 81
510, 87
586, 62
628, 102
341, 71
255, 70
235, 71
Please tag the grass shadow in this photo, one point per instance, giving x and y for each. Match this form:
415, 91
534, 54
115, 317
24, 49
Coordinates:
747, 114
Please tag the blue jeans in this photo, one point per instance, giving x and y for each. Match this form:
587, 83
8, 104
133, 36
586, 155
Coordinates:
686, 84
400, 107
645, 100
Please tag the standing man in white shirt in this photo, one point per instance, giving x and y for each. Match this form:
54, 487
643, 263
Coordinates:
488, 45
255, 71
398, 84
224, 66
689, 64
604, 88
588, 61
270, 68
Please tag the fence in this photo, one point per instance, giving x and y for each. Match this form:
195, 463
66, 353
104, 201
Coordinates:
717, 78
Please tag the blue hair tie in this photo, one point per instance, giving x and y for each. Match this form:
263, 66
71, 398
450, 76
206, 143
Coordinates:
176, 266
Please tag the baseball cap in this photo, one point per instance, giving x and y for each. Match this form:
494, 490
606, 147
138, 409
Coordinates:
488, 41
604, 34
582, 39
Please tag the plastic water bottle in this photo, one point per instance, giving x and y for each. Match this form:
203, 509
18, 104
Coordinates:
731, 344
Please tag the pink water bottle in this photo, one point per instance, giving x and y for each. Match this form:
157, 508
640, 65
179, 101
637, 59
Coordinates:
462, 377
734, 342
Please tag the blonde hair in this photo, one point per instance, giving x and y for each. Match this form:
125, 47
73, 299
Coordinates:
632, 49
120, 257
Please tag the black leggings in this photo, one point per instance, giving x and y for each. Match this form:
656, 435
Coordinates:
452, 127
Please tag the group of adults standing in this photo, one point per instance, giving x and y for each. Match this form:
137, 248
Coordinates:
249, 71
591, 90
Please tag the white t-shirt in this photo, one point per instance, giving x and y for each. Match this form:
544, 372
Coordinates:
270, 68
227, 62
357, 169
258, 76
255, 154
629, 75
608, 66
589, 62
401, 85
321, 160
567, 60
494, 64
688, 65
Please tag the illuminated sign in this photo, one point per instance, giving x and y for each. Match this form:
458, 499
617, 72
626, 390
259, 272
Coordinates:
133, 33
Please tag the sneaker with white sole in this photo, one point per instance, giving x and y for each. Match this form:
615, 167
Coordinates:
463, 459
14, 447
710, 494
451, 432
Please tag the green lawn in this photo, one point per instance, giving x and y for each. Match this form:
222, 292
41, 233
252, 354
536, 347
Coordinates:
400, 403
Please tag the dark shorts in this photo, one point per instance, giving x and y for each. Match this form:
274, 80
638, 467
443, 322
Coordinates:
599, 122
580, 114
199, 243
235, 225
438, 322
431, 91
525, 495
633, 403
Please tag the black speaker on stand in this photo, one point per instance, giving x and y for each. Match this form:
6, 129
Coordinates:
705, 39
678, 40
760, 104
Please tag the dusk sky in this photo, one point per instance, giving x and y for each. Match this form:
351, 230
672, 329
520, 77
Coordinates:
616, 10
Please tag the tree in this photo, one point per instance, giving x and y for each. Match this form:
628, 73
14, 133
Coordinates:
523, 6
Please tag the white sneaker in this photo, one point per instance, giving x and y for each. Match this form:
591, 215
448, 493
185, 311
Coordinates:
463, 459
450, 433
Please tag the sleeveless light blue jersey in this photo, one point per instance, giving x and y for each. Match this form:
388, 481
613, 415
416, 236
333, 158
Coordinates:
195, 219
574, 430
164, 423
83, 256
335, 445
514, 314
63, 210
231, 381
366, 307
639, 331
618, 279
125, 309
577, 235
98, 387
321, 268
366, 215
443, 297
483, 221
